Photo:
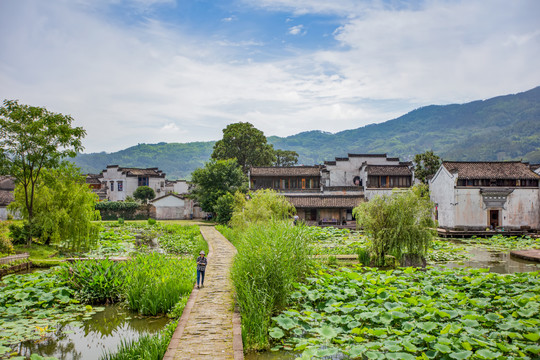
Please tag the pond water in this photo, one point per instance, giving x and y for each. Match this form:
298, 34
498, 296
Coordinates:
496, 261
102, 333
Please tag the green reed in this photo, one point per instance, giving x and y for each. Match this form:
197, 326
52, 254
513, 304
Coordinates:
271, 258
147, 347
156, 282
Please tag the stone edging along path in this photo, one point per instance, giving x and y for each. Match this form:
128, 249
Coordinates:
210, 327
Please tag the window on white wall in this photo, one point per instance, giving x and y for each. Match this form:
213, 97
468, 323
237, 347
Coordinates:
112, 185
120, 185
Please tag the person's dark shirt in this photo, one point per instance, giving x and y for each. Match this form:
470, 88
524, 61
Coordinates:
201, 263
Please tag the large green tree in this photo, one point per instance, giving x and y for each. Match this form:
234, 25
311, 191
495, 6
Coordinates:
64, 207
248, 145
32, 139
286, 158
215, 179
426, 165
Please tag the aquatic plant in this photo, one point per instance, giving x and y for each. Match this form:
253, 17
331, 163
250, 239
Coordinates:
95, 281
154, 282
37, 300
271, 257
411, 314
147, 347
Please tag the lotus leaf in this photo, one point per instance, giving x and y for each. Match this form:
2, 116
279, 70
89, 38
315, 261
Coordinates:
487, 354
276, 333
461, 355
327, 332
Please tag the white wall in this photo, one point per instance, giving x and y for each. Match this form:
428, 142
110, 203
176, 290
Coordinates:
441, 189
172, 208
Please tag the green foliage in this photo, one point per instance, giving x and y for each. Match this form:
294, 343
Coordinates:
271, 257
147, 347
285, 158
246, 144
63, 209
397, 224
32, 139
262, 206
182, 240
37, 300
217, 178
6, 247
95, 281
426, 165
155, 282
112, 210
151, 221
233, 236
144, 193
224, 208
411, 314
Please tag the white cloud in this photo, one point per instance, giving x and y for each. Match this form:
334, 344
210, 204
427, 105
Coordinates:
151, 82
297, 30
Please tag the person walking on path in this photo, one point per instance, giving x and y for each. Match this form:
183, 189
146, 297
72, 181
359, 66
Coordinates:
201, 268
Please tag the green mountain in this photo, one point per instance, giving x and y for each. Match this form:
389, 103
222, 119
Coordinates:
501, 128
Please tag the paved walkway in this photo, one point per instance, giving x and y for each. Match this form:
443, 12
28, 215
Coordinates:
206, 329
531, 254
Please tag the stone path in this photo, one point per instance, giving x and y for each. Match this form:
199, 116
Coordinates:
209, 327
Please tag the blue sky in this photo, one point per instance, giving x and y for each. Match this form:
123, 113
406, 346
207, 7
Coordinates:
147, 71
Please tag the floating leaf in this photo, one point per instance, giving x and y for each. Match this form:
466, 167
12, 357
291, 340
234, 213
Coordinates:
276, 333
532, 336
327, 332
442, 348
461, 355
427, 326
487, 354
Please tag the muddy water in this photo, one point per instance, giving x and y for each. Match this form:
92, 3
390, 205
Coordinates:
102, 333
495, 261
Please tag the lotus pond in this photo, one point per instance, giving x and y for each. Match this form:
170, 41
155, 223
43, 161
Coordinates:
52, 312
366, 313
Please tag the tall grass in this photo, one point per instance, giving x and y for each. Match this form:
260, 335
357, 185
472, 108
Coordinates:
271, 258
155, 282
147, 347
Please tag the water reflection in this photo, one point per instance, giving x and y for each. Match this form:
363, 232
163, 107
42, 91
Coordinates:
496, 261
102, 333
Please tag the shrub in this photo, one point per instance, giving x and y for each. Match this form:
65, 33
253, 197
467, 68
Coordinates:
155, 282
151, 221
271, 258
224, 208
262, 206
19, 232
121, 221
112, 210
363, 256
6, 246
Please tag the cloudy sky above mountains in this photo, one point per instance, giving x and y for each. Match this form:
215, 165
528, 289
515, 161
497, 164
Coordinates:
147, 71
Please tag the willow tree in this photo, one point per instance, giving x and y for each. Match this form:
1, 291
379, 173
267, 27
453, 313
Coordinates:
32, 139
64, 208
398, 224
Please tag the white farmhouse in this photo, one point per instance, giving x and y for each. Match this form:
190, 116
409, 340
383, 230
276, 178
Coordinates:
479, 195
173, 207
122, 182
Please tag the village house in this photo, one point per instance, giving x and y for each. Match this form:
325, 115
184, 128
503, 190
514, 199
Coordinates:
173, 207
121, 182
7, 186
327, 194
475, 196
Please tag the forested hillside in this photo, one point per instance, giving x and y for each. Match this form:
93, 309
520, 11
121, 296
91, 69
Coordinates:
501, 128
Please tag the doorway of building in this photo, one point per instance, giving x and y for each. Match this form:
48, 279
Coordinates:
494, 219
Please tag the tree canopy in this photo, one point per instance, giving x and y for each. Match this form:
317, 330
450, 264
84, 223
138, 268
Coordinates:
33, 138
144, 193
286, 158
216, 178
248, 145
426, 165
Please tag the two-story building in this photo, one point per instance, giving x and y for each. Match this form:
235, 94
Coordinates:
121, 182
327, 194
477, 196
